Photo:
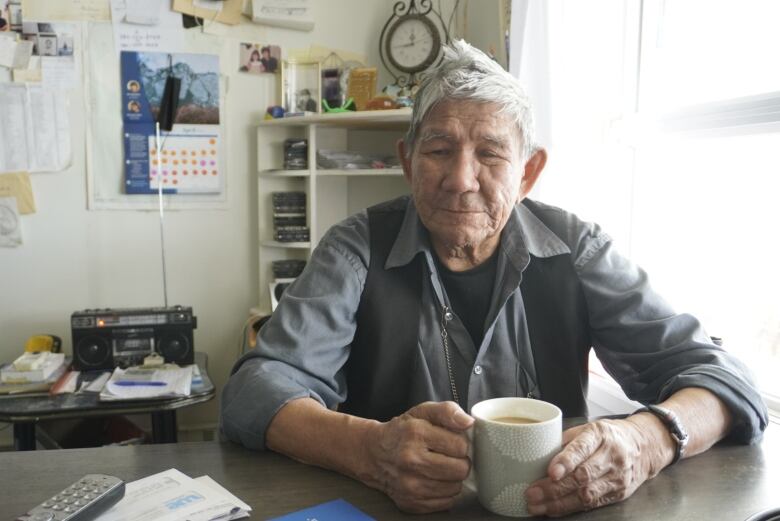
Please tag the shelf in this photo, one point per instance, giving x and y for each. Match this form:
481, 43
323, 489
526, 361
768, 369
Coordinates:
273, 172
289, 245
372, 172
395, 119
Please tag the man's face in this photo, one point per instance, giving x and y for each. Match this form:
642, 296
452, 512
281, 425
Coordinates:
465, 173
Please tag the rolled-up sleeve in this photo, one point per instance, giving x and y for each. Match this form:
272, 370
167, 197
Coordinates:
302, 349
650, 350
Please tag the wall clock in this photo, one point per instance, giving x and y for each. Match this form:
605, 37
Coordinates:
411, 41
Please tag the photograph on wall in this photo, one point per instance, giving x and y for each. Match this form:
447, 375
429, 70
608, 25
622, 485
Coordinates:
50, 39
256, 58
301, 87
189, 159
11, 15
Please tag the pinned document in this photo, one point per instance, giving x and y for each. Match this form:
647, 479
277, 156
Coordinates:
10, 225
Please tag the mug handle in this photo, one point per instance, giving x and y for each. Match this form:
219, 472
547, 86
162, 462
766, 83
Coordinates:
470, 483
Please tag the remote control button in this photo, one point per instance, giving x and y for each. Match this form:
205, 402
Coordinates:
47, 504
42, 516
56, 507
69, 509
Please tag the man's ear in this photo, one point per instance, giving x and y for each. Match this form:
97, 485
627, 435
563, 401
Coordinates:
531, 173
406, 162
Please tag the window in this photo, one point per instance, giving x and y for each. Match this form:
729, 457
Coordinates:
665, 128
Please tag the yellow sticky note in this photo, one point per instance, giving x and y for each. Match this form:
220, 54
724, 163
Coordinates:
18, 185
77, 10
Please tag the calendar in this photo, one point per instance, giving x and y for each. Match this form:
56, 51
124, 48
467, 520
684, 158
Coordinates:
189, 159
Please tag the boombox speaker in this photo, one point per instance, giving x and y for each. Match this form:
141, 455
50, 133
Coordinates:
109, 338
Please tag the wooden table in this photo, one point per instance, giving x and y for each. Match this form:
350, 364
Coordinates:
25, 411
727, 483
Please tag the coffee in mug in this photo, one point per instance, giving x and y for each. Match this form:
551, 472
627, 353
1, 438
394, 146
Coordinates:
514, 440
514, 419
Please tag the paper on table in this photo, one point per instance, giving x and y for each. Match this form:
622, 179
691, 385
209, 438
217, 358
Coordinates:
243, 508
137, 383
10, 225
174, 496
166, 35
17, 184
77, 10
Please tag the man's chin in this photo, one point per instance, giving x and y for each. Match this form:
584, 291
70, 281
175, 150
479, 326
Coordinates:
456, 240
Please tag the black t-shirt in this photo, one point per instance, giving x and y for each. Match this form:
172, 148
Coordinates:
470, 293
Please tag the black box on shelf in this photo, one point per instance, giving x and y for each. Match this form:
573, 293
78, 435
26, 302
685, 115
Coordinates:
292, 235
288, 202
296, 154
287, 268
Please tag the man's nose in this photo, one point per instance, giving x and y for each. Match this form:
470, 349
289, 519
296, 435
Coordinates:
463, 173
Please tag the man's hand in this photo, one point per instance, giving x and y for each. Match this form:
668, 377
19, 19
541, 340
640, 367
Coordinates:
601, 463
420, 458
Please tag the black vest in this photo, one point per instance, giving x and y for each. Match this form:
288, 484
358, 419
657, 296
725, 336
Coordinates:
384, 346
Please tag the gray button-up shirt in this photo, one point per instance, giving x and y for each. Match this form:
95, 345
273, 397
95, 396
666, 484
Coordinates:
303, 348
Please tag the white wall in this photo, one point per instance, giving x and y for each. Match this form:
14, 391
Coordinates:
73, 258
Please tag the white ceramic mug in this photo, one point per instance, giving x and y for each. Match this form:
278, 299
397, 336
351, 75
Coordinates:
508, 457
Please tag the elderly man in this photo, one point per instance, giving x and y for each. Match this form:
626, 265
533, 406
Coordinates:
411, 312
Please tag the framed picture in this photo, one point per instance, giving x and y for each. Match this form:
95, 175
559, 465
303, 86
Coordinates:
301, 86
256, 58
47, 44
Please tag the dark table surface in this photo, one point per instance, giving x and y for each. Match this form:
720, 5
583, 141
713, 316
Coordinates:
28, 408
727, 483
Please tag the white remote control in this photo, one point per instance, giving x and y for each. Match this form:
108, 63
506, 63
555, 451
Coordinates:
83, 500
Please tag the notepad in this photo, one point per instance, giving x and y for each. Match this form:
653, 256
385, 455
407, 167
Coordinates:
336, 510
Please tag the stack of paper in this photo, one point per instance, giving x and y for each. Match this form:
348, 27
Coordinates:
173, 496
138, 383
33, 367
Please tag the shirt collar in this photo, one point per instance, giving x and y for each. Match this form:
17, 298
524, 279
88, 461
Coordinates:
523, 234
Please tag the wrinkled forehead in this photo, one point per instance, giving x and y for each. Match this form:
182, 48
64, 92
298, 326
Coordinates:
462, 120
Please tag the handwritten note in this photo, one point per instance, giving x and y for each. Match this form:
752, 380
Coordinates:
167, 35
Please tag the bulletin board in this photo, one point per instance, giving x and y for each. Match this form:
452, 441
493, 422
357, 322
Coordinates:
105, 139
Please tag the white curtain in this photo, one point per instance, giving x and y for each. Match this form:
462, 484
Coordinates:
529, 60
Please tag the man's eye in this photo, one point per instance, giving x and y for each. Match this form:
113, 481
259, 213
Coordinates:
438, 152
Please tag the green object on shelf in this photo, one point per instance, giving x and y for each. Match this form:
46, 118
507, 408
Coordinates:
347, 106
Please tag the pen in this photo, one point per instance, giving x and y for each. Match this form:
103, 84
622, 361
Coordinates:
140, 383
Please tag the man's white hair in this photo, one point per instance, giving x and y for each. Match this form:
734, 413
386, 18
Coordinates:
468, 74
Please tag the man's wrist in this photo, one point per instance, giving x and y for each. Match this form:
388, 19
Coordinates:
658, 445
673, 425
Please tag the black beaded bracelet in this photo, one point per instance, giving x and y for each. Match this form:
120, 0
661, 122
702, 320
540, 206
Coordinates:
675, 426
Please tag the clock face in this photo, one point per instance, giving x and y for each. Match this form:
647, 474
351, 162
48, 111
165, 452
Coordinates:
413, 43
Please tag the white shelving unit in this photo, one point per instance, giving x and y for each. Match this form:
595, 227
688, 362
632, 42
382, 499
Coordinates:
331, 195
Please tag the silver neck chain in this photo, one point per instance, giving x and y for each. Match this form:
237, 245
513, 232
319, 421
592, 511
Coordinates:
446, 316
